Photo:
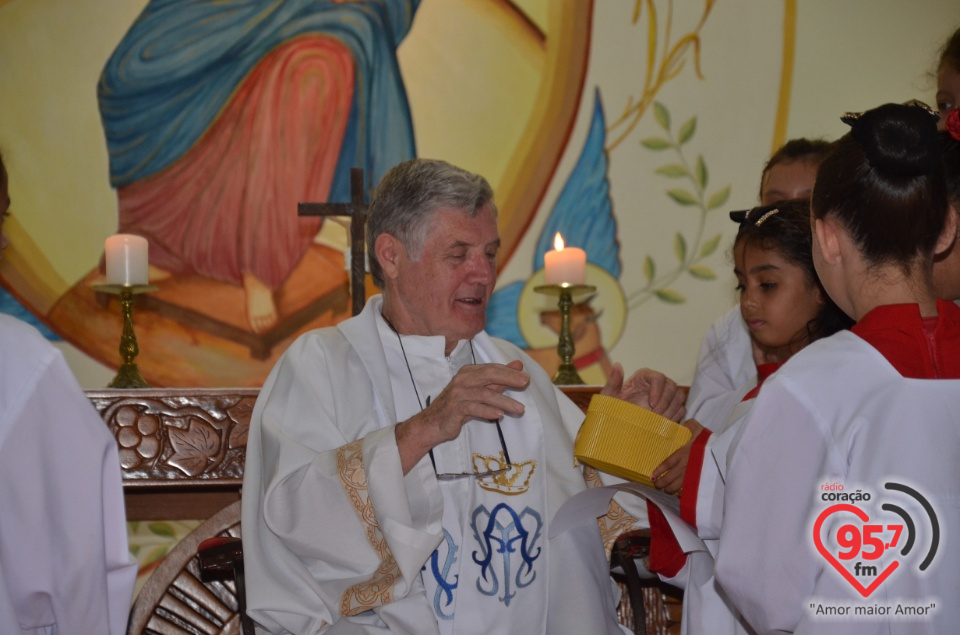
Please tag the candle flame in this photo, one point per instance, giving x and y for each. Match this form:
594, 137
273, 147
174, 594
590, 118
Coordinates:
558, 242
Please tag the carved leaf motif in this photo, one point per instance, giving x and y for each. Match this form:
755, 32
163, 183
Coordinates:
194, 447
240, 413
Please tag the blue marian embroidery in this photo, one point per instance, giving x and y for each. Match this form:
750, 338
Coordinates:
445, 589
497, 538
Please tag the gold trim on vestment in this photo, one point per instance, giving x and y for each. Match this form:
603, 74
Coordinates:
378, 590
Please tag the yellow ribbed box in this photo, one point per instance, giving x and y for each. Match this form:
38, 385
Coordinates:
626, 440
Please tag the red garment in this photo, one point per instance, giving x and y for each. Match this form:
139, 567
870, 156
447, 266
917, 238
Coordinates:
229, 205
898, 332
666, 556
763, 371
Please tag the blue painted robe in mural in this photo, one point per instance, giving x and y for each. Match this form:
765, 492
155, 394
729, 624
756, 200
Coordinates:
221, 116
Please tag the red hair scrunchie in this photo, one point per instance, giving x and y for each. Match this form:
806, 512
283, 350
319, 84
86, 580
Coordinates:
953, 123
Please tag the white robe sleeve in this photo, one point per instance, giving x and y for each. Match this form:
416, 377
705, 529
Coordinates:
64, 560
331, 527
725, 365
770, 495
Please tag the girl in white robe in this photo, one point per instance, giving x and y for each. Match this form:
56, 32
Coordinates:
725, 363
785, 308
866, 416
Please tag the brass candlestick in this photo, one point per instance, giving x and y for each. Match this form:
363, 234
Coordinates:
128, 375
567, 373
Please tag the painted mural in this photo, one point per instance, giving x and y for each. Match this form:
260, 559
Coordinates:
215, 118
220, 117
212, 119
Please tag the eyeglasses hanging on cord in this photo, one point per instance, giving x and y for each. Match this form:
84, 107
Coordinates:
445, 476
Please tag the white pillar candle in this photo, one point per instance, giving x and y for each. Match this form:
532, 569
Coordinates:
564, 264
126, 257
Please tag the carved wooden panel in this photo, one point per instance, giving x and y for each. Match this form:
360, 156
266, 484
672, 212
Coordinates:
178, 437
193, 437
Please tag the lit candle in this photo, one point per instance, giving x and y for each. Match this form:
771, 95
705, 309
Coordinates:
564, 264
126, 256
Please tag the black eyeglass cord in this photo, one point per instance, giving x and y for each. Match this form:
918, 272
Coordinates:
473, 356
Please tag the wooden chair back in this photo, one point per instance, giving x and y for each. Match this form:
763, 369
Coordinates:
179, 600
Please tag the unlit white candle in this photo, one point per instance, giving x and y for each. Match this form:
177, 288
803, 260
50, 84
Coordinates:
564, 264
126, 256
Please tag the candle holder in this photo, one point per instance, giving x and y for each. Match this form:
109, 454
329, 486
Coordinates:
567, 373
128, 375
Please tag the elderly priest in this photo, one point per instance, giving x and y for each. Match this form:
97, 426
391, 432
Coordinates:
403, 467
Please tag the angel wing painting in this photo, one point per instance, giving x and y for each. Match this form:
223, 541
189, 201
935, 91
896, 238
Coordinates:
583, 215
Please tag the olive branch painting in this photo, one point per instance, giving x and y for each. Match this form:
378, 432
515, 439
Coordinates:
666, 58
692, 251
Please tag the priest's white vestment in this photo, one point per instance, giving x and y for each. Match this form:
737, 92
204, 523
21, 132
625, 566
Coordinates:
335, 536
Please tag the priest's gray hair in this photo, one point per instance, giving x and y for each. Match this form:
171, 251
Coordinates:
403, 203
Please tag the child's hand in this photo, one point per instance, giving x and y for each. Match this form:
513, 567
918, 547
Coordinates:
669, 475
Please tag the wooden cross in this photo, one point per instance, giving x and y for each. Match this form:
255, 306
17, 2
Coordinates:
356, 209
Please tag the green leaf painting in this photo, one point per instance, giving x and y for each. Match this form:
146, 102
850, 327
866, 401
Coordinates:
690, 249
703, 272
662, 115
686, 131
656, 143
162, 529
673, 170
671, 296
709, 246
682, 197
649, 269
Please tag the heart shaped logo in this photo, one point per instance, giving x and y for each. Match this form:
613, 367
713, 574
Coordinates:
876, 543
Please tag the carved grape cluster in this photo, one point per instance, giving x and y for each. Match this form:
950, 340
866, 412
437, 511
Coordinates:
137, 436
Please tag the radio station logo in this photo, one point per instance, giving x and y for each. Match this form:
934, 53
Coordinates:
867, 549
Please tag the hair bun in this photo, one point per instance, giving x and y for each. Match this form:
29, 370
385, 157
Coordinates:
898, 139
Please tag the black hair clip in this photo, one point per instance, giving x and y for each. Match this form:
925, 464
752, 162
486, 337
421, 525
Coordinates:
756, 215
850, 117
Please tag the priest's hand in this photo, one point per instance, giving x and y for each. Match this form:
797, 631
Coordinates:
669, 475
475, 392
648, 389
